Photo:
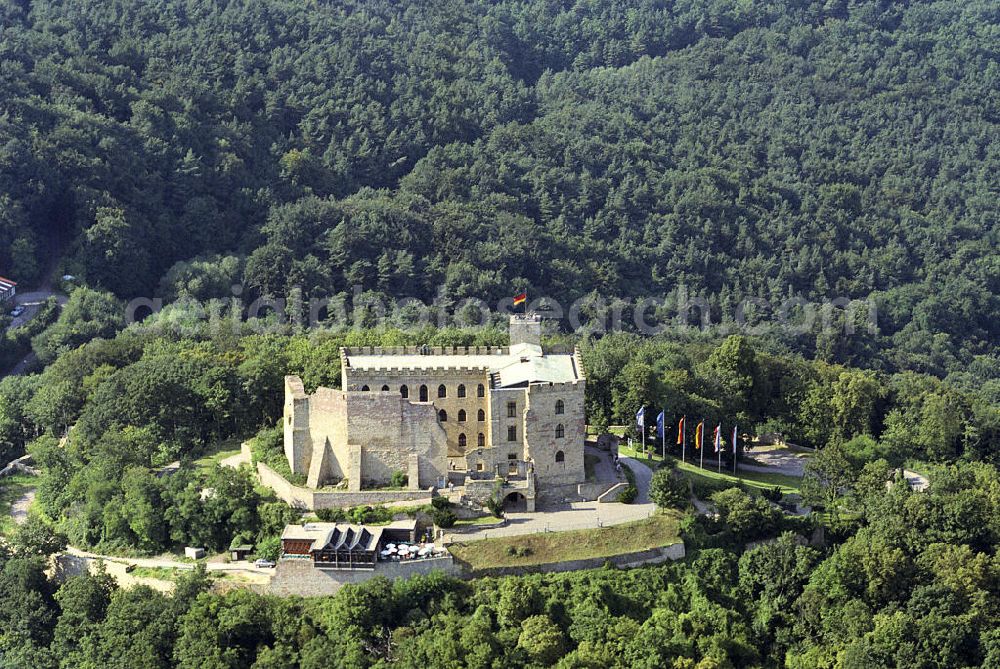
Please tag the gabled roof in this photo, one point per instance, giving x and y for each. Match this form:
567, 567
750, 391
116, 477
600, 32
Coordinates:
6, 283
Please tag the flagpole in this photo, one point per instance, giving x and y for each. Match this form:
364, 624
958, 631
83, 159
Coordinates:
663, 434
735, 455
684, 437
719, 445
701, 461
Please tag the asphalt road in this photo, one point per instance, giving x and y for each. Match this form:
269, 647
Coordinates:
32, 302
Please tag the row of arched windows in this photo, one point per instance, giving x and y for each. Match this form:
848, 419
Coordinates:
442, 391
443, 416
480, 440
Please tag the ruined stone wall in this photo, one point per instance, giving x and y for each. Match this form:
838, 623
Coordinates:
541, 424
328, 428
295, 423
390, 430
451, 377
306, 498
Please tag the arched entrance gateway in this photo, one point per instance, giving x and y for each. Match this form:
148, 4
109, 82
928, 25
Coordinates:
516, 502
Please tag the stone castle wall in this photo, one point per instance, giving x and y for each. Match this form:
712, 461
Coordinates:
363, 437
541, 426
452, 404
307, 498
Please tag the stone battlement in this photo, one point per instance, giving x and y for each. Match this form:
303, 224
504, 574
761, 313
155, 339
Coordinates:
425, 350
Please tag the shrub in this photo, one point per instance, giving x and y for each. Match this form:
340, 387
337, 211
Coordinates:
628, 495
668, 489
441, 503
772, 494
269, 549
444, 518
331, 515
399, 479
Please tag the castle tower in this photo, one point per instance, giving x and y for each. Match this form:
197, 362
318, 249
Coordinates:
297, 439
526, 329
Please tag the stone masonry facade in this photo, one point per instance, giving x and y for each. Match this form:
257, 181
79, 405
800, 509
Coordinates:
478, 412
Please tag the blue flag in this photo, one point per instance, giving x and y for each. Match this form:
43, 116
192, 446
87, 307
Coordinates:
640, 418
659, 425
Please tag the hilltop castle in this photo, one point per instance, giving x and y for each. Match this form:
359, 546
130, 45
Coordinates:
436, 414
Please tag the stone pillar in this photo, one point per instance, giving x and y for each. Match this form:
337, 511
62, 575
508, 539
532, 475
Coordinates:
354, 467
413, 471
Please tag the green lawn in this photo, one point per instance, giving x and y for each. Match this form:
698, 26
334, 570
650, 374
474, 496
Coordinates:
533, 549
712, 478
217, 453
11, 488
159, 573
651, 460
483, 520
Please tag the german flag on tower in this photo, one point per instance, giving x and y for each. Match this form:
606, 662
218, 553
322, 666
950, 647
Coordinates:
520, 298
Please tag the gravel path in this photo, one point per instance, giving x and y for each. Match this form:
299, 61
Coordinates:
643, 477
19, 509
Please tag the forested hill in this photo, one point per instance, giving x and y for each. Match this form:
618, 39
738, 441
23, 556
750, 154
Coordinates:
623, 147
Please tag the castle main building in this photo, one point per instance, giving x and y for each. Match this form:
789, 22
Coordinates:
437, 414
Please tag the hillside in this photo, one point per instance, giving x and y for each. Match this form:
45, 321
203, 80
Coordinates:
469, 149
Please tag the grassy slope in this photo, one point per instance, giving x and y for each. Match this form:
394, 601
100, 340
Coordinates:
11, 488
711, 477
660, 530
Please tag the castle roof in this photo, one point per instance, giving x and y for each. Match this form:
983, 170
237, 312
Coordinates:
342, 536
518, 365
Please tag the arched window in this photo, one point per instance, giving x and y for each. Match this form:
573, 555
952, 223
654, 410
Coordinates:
482, 440
560, 407
404, 391
481, 391
560, 431
461, 390
560, 456
385, 389
443, 416
461, 415
365, 388
481, 416
461, 441
423, 393
442, 391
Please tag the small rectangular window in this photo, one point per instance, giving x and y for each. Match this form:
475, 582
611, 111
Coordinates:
512, 456
479, 466
511, 433
511, 409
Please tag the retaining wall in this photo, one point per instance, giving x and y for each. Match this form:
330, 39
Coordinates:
626, 560
306, 498
299, 577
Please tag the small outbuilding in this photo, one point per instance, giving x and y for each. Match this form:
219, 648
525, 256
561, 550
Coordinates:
194, 553
8, 289
240, 552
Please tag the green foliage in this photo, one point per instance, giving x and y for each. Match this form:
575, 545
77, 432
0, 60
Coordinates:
444, 518
441, 502
668, 489
399, 479
628, 494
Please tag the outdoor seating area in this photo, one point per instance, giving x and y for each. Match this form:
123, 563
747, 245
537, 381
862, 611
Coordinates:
411, 551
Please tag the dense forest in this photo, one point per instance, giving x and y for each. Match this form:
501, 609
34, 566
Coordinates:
470, 149
596, 150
